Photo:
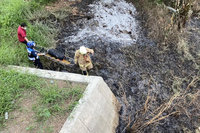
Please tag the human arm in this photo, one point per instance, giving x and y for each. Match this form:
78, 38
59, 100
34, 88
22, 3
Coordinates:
76, 57
40, 54
26, 39
36, 54
90, 51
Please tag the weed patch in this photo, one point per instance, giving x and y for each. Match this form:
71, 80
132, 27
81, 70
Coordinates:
53, 98
46, 103
12, 84
42, 28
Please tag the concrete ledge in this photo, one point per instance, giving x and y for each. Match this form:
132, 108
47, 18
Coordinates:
97, 111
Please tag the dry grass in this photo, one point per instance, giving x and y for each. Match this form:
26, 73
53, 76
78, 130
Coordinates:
180, 103
196, 7
158, 23
183, 49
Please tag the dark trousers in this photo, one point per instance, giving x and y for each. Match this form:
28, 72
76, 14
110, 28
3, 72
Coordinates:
38, 64
25, 42
85, 72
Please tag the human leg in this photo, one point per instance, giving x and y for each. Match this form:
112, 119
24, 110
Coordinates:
38, 64
84, 70
25, 42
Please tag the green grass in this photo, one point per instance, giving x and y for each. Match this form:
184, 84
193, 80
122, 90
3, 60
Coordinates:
44, 1
12, 14
52, 99
11, 86
12, 52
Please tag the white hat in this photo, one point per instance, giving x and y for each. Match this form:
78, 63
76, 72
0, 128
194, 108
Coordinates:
83, 50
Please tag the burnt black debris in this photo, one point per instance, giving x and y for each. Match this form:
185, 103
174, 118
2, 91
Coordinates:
131, 71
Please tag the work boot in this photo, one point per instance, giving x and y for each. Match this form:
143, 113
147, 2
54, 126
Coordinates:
85, 73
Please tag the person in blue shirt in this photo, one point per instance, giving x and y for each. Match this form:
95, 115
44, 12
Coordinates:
33, 55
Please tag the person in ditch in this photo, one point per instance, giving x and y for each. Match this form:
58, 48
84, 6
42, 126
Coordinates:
82, 58
33, 55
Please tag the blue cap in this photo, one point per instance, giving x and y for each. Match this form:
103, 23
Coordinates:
30, 44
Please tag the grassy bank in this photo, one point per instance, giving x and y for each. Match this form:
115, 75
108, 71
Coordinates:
51, 98
42, 29
12, 14
12, 84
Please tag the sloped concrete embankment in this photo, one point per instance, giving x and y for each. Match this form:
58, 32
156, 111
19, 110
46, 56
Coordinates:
97, 111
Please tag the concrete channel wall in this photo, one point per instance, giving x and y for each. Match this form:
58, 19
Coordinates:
97, 111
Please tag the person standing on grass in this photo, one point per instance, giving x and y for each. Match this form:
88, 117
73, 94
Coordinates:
21, 32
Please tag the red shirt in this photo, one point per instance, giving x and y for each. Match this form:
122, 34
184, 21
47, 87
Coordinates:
21, 34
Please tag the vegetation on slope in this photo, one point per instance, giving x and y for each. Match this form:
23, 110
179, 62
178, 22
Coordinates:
52, 98
12, 14
12, 84
42, 28
174, 106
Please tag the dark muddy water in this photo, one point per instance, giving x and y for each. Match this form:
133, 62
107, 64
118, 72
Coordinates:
128, 61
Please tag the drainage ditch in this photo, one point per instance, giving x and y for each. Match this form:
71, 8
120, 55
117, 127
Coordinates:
130, 63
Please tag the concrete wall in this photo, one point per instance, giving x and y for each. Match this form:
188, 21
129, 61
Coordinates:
97, 111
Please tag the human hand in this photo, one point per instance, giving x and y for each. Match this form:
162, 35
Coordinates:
92, 52
40, 54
